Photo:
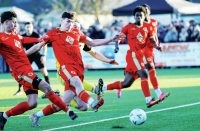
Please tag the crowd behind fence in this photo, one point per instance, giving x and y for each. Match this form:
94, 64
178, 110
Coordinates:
176, 31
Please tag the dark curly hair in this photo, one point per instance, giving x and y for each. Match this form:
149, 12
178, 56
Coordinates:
8, 15
69, 15
139, 9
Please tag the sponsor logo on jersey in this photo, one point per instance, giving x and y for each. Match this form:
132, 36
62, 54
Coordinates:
17, 44
30, 74
70, 40
73, 72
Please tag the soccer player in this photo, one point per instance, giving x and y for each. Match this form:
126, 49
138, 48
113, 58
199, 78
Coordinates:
149, 55
65, 43
37, 57
148, 51
69, 97
12, 51
137, 34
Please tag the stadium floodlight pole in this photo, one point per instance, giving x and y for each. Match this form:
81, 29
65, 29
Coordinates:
117, 46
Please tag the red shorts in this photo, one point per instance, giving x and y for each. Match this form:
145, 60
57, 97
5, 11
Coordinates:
68, 71
134, 61
149, 54
25, 78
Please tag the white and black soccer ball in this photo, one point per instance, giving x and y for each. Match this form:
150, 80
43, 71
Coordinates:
137, 116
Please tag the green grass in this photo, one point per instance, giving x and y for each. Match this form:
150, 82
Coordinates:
183, 84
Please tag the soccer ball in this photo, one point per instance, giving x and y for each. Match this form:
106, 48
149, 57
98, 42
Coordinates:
137, 116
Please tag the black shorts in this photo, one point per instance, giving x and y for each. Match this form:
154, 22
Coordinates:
37, 59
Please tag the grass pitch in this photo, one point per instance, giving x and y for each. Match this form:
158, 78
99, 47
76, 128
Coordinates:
183, 84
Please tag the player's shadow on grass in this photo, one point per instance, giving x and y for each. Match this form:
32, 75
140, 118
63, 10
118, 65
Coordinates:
117, 127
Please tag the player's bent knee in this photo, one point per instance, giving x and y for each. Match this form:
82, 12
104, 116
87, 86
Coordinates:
36, 82
126, 84
142, 73
75, 81
32, 105
148, 66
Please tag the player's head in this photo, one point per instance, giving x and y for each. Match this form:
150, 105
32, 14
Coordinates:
139, 13
67, 20
29, 28
9, 21
147, 8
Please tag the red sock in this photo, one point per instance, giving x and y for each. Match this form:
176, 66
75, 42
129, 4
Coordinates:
50, 109
18, 109
57, 101
153, 78
84, 96
145, 87
115, 85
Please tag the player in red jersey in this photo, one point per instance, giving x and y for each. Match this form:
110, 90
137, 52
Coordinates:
12, 51
149, 55
38, 57
65, 43
137, 35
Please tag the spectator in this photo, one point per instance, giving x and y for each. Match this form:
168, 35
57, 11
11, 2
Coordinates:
171, 35
193, 31
183, 35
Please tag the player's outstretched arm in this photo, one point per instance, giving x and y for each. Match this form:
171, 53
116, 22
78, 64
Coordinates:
29, 40
99, 42
35, 48
102, 58
155, 43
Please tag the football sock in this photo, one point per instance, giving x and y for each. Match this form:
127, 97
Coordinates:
153, 78
84, 96
56, 100
158, 92
145, 87
20, 86
90, 101
5, 115
48, 110
115, 85
39, 113
47, 79
87, 86
148, 99
18, 109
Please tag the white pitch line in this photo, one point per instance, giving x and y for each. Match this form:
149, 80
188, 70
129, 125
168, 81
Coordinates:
115, 118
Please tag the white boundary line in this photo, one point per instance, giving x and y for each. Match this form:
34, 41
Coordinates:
115, 118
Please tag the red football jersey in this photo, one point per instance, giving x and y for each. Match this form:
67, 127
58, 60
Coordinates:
137, 36
13, 52
66, 45
153, 24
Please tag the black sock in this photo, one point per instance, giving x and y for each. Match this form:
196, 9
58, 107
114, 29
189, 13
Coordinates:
20, 86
